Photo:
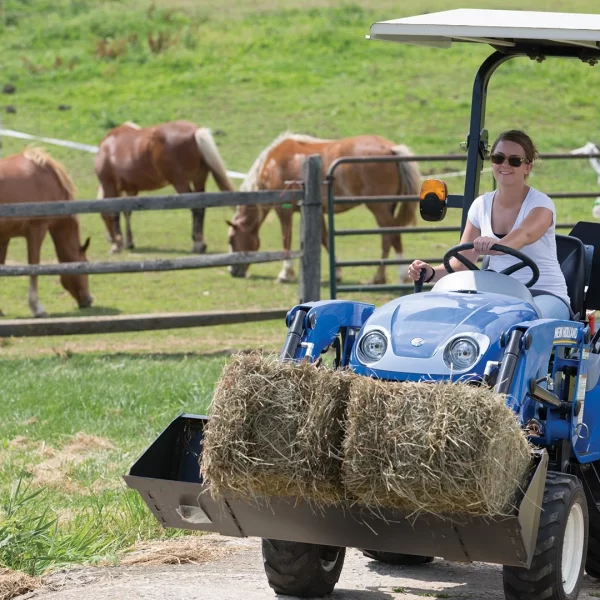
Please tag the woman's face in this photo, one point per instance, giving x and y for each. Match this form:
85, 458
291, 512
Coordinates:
506, 174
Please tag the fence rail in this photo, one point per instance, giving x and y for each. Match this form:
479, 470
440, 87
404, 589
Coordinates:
137, 203
131, 323
147, 266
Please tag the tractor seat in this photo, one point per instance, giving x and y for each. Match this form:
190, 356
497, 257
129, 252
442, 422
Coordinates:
571, 257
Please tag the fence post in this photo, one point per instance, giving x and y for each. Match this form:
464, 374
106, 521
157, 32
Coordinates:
310, 236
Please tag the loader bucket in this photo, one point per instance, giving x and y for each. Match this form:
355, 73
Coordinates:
168, 478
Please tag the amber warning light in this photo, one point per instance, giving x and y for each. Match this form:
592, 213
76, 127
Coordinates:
433, 204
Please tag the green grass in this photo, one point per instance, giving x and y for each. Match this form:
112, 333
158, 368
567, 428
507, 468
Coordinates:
248, 70
82, 510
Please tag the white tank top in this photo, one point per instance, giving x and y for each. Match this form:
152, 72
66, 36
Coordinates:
542, 252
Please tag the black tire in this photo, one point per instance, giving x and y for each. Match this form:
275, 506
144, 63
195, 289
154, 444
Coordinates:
563, 497
592, 563
303, 570
395, 558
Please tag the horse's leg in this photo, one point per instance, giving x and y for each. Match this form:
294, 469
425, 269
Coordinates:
35, 237
198, 215
128, 233
287, 273
108, 189
3, 251
199, 247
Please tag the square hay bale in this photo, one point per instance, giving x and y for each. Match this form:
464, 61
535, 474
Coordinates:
276, 429
442, 448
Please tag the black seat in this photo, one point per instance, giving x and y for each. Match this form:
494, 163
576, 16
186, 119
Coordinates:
571, 257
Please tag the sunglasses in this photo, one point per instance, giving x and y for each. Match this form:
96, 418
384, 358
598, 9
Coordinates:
513, 159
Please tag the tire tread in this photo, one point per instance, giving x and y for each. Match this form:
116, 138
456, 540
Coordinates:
539, 582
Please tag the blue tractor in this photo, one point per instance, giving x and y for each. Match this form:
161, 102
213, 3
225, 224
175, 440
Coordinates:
475, 324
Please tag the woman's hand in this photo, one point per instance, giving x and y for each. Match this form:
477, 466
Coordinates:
414, 270
482, 245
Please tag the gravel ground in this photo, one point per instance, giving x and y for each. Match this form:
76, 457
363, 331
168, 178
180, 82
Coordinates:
240, 575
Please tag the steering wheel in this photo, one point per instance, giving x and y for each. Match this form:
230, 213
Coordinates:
525, 261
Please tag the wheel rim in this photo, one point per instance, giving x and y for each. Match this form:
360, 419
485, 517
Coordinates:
572, 552
328, 557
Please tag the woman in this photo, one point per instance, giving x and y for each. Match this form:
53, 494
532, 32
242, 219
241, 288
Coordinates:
514, 215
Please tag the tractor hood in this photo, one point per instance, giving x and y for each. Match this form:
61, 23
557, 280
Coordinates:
418, 328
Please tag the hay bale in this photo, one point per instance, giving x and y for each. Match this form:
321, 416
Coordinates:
16, 583
276, 429
442, 448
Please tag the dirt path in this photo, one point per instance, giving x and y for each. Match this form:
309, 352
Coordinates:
239, 574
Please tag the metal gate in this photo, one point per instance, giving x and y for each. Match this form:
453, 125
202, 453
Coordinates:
454, 201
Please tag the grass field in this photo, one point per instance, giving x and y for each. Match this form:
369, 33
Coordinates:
248, 70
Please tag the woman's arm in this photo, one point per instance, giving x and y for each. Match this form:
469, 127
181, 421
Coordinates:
469, 234
533, 227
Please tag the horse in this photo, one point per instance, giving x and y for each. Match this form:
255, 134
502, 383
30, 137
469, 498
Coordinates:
279, 166
34, 176
132, 159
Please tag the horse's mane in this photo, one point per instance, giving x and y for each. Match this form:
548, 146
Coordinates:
250, 183
43, 159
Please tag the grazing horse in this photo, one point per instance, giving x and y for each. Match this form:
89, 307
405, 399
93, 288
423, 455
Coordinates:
279, 166
34, 176
131, 159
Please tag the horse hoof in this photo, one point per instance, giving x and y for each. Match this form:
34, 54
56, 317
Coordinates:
86, 303
40, 315
115, 250
199, 248
284, 279
130, 246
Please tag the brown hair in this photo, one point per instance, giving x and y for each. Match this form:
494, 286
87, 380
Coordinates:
521, 138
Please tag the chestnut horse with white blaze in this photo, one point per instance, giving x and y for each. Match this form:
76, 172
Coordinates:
34, 176
281, 163
132, 159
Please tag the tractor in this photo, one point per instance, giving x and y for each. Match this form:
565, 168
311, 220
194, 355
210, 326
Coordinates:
475, 323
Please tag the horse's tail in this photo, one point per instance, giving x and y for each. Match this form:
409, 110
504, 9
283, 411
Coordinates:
43, 159
210, 153
410, 184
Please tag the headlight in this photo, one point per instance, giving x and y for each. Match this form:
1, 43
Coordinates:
373, 346
461, 353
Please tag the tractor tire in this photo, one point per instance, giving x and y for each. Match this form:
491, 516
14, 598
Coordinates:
557, 567
303, 570
592, 563
395, 558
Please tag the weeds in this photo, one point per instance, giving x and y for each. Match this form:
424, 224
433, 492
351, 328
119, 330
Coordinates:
31, 541
159, 43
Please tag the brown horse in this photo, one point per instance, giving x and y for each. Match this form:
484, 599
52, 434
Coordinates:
131, 159
281, 163
34, 176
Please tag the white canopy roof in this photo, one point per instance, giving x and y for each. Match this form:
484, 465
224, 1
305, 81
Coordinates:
494, 27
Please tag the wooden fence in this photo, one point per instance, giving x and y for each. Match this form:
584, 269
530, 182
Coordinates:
310, 257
